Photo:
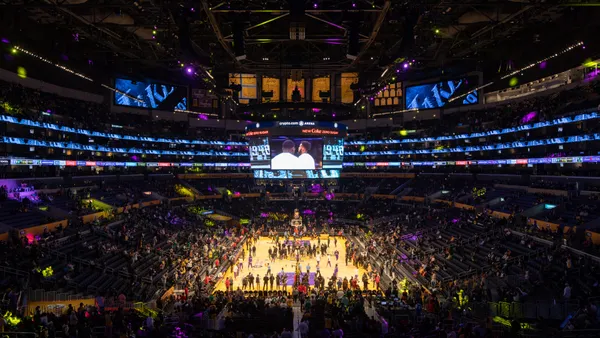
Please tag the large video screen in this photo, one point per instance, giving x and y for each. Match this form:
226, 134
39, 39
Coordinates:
439, 94
296, 153
296, 149
150, 95
293, 174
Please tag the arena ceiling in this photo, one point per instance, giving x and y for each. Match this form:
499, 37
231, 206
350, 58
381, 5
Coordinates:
158, 35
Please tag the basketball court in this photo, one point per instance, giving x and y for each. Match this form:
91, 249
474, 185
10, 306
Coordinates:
261, 263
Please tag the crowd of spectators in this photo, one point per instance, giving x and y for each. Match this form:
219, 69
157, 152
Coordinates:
434, 265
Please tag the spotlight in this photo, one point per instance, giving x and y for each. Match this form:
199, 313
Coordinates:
437, 31
405, 65
189, 70
315, 5
354, 5
14, 51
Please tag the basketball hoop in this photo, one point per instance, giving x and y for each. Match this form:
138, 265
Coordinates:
296, 222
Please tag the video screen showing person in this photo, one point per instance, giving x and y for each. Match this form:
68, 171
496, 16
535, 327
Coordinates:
293, 174
289, 153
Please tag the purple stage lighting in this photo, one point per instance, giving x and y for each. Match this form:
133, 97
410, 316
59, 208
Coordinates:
4, 40
315, 5
189, 70
592, 75
405, 65
528, 117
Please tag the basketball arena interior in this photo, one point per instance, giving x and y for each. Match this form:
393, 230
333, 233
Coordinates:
299, 168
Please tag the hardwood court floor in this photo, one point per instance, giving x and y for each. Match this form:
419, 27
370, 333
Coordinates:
261, 259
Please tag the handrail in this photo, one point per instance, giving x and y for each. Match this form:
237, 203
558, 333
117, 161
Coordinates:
19, 334
545, 241
580, 333
469, 273
13, 271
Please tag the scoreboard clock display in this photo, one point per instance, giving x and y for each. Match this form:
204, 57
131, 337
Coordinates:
260, 152
333, 152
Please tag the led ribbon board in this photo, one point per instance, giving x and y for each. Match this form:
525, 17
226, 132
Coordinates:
520, 161
52, 126
331, 154
497, 146
526, 127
